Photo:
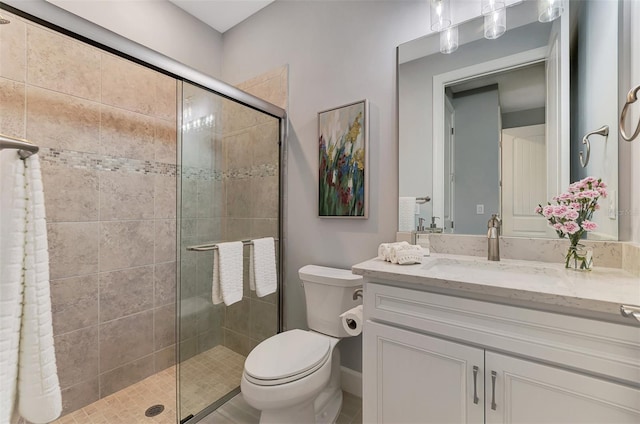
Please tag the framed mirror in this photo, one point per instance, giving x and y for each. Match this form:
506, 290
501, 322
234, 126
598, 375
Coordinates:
497, 125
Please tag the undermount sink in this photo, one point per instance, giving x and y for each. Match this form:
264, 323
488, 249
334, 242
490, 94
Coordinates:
482, 267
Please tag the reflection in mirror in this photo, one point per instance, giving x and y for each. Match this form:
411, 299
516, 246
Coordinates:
486, 129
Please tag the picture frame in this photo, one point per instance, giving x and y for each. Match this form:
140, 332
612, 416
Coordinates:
343, 161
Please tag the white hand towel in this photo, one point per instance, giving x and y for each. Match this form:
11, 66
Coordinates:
395, 252
229, 272
216, 294
409, 256
40, 400
381, 251
12, 228
262, 266
384, 250
406, 214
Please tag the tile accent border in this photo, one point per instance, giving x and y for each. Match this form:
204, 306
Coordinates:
99, 162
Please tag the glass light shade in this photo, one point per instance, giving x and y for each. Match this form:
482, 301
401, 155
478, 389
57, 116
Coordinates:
490, 6
449, 40
548, 10
495, 24
440, 15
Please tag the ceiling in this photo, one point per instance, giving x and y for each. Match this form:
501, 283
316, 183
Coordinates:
221, 14
519, 89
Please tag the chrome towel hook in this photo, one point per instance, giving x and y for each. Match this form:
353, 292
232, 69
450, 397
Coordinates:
632, 97
603, 131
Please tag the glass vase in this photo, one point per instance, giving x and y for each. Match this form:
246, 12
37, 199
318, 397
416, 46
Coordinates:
579, 258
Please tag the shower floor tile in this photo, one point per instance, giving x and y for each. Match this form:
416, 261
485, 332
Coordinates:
129, 404
206, 377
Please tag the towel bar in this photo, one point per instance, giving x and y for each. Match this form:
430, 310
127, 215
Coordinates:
25, 149
214, 246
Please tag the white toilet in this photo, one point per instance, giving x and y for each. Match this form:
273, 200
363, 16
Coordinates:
294, 377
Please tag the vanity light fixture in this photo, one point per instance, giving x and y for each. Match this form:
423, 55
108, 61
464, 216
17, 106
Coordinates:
440, 14
495, 24
189, 123
449, 40
548, 10
489, 6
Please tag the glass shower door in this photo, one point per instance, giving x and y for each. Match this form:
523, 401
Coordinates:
229, 191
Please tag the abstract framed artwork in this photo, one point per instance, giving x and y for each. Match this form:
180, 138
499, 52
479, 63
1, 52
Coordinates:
343, 161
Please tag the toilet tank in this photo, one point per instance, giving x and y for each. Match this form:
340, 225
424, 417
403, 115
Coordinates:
328, 293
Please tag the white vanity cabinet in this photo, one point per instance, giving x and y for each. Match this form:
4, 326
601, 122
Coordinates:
415, 378
433, 358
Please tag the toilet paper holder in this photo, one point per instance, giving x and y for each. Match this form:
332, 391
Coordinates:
357, 293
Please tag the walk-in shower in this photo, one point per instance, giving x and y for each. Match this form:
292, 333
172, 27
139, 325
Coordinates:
143, 160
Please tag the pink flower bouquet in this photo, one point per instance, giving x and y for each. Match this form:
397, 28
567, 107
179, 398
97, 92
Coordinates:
571, 216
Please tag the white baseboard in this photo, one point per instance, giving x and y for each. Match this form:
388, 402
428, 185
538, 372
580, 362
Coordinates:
351, 381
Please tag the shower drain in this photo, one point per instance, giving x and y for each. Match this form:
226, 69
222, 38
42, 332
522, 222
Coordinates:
154, 410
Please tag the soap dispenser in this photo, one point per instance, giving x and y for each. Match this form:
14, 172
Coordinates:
433, 228
421, 236
493, 238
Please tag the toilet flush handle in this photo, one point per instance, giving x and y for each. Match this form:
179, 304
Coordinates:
357, 293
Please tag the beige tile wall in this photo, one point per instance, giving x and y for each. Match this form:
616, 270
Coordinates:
252, 203
108, 136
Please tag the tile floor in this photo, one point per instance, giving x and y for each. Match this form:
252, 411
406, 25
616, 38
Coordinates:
237, 411
210, 374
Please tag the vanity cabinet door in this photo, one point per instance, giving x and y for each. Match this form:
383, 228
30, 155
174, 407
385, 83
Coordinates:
521, 391
409, 377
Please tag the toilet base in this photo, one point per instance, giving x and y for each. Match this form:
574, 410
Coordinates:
329, 414
305, 413
298, 414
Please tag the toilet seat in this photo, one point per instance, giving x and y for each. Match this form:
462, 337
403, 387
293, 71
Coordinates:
287, 357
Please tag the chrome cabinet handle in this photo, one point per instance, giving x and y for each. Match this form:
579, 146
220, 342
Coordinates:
630, 312
475, 386
494, 375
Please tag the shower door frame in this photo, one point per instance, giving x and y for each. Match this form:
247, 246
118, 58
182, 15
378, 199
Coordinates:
64, 22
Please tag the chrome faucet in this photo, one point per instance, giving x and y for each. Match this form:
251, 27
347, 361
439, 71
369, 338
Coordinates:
493, 238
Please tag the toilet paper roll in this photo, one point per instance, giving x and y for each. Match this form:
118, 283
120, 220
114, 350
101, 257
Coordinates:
352, 321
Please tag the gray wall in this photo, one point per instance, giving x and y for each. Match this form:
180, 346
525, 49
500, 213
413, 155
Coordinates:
477, 165
594, 91
523, 118
338, 52
158, 25
626, 166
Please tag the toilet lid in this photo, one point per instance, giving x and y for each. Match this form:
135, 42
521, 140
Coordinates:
286, 355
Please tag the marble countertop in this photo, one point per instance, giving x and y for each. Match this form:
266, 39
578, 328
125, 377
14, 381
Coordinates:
549, 286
